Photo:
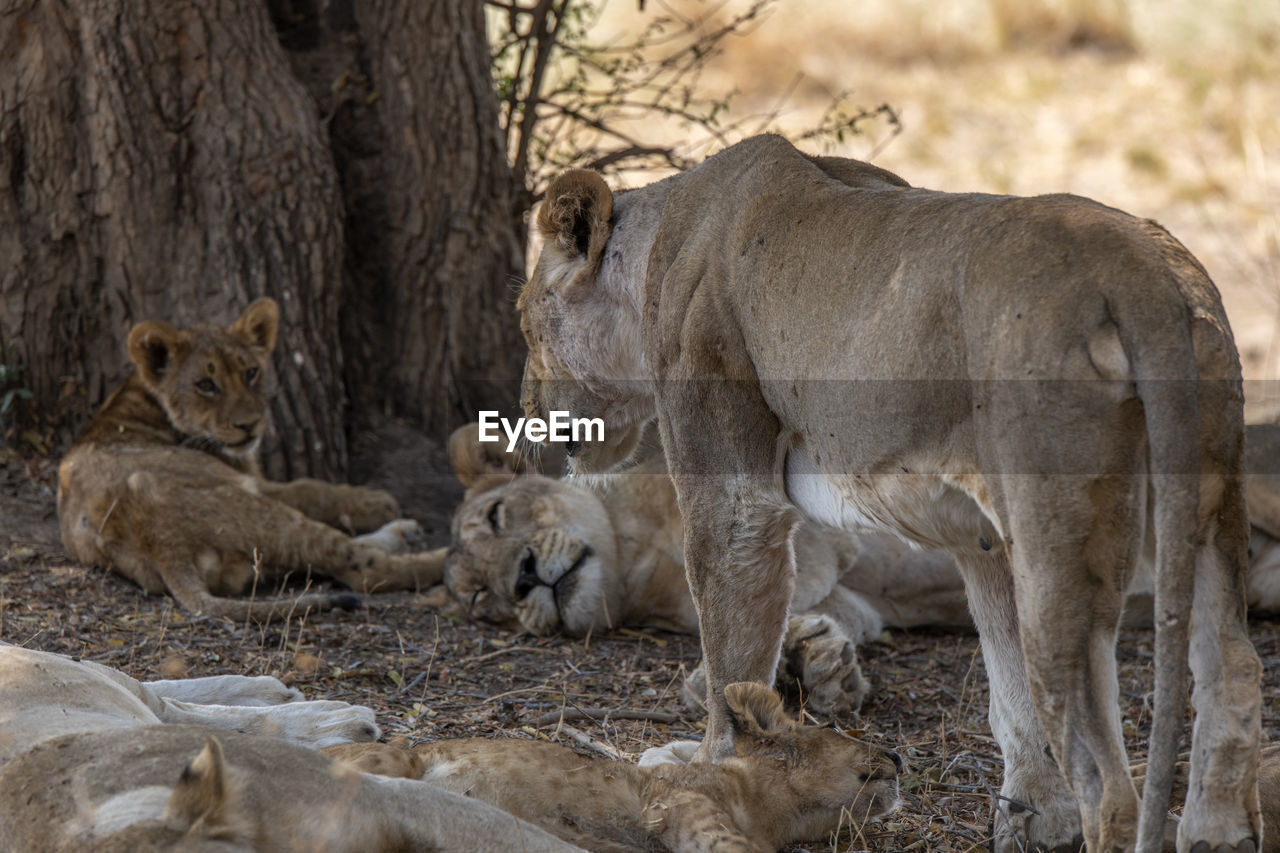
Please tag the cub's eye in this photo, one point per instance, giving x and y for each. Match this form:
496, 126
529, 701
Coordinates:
251, 374
496, 517
206, 386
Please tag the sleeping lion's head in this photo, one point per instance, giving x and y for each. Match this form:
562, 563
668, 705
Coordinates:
586, 353
529, 549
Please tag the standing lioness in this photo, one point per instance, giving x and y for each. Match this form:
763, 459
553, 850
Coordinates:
1043, 387
164, 485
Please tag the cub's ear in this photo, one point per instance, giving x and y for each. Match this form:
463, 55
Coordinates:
258, 324
201, 797
153, 348
756, 709
481, 465
576, 215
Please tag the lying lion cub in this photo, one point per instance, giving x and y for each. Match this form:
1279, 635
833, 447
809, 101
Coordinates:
164, 486
786, 783
92, 760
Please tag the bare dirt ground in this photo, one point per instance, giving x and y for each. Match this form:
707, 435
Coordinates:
429, 676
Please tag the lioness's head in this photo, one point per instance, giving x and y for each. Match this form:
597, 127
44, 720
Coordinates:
833, 776
210, 380
529, 549
586, 353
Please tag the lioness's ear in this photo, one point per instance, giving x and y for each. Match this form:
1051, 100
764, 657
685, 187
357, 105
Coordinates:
152, 348
576, 215
480, 465
201, 794
258, 324
756, 709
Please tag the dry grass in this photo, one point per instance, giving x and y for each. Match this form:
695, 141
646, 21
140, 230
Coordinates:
429, 677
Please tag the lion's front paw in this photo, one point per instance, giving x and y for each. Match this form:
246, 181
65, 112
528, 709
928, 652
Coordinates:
823, 659
1049, 823
402, 536
366, 509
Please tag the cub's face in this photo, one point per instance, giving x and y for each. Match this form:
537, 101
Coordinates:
210, 381
586, 350
537, 551
840, 775
835, 777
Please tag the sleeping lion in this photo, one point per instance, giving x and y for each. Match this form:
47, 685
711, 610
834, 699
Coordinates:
557, 557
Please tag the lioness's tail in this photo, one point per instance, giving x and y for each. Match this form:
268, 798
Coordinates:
1165, 371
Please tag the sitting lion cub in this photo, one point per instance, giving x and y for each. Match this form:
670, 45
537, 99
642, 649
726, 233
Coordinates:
786, 783
164, 486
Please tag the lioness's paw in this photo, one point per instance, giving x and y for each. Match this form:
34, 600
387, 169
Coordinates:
1249, 845
319, 723
402, 536
1049, 823
676, 752
368, 509
819, 655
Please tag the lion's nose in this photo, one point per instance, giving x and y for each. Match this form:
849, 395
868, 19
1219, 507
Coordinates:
572, 447
527, 576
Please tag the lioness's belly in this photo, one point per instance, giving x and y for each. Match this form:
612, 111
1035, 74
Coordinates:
924, 509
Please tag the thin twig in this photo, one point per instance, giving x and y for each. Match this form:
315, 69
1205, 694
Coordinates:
576, 714
591, 743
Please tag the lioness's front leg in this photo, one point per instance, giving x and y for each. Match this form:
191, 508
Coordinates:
355, 509
741, 572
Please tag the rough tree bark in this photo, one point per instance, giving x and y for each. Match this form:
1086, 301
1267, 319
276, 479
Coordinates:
171, 159
433, 226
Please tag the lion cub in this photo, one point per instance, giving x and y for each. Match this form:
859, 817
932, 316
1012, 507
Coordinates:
164, 486
786, 783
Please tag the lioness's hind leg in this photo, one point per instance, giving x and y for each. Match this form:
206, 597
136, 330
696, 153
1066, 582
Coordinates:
1035, 803
1221, 811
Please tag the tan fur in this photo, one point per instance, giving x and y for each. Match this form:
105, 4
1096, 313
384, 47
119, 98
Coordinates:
1268, 796
1043, 387
92, 760
189, 788
164, 487
613, 554
48, 695
785, 783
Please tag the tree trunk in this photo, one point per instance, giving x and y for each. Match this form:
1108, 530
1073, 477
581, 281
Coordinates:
169, 159
454, 240
433, 230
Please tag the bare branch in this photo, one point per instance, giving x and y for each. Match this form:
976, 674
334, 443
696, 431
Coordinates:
573, 100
